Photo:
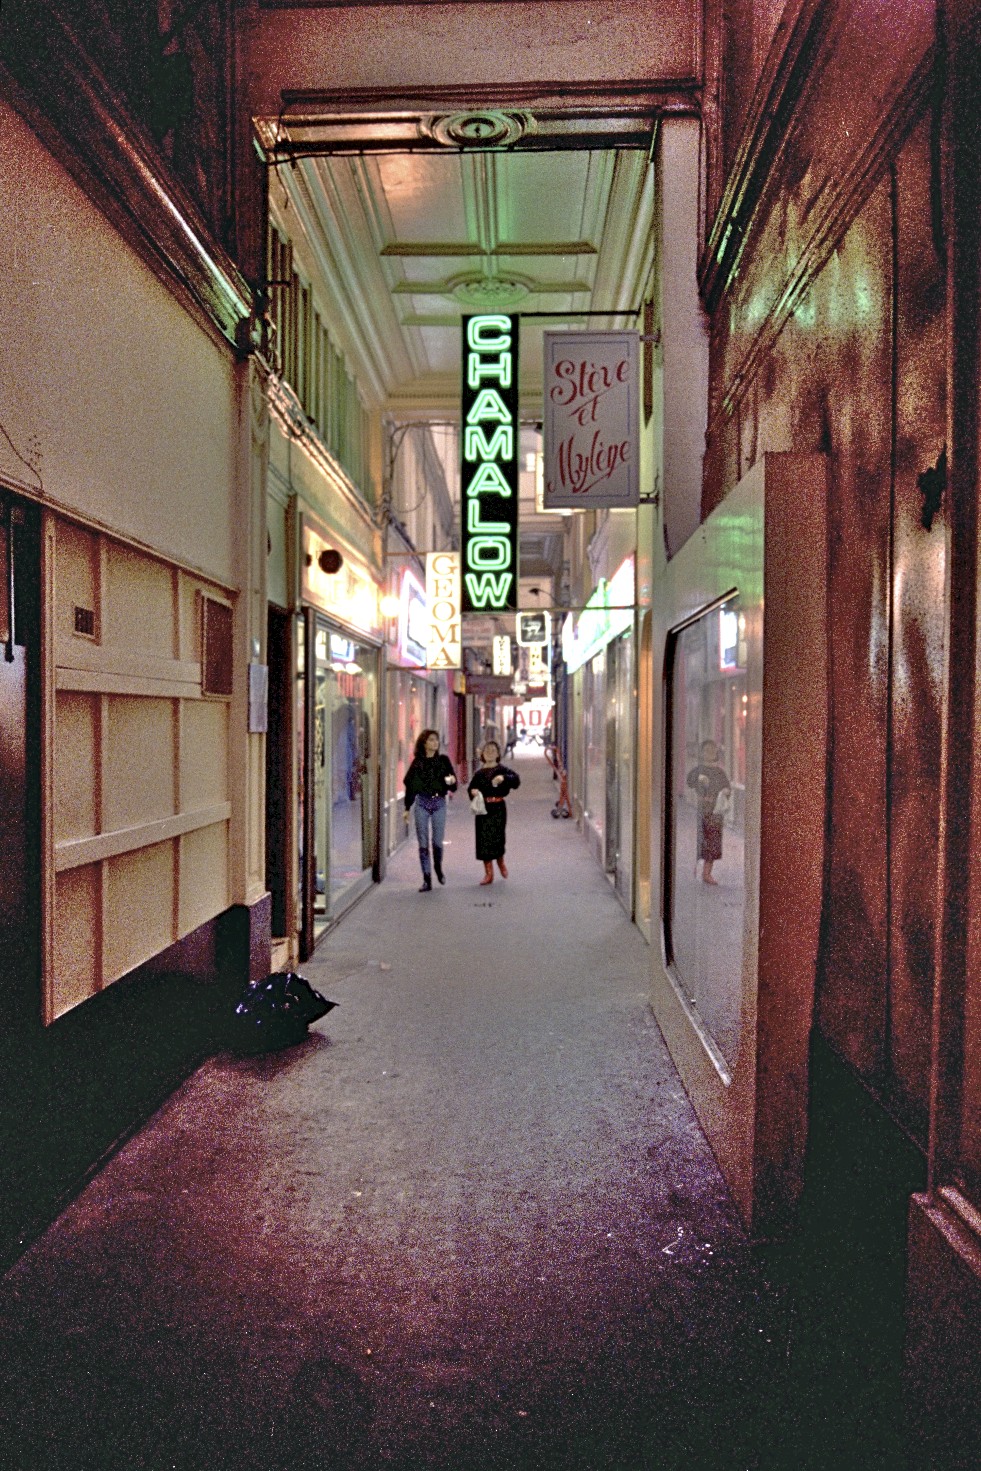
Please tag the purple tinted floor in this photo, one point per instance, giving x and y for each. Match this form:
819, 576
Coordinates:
470, 1222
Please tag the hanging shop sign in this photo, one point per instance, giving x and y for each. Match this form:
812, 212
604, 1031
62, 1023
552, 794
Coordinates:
534, 628
609, 612
444, 644
413, 620
537, 668
488, 684
590, 421
502, 653
489, 464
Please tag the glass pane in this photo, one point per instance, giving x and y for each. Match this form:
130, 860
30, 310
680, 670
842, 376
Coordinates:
705, 869
321, 771
301, 774
625, 703
594, 713
344, 771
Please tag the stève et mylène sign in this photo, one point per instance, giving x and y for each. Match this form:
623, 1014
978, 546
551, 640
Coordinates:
489, 431
590, 420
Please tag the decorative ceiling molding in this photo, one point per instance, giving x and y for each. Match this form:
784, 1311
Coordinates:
316, 123
398, 298
487, 129
440, 250
458, 286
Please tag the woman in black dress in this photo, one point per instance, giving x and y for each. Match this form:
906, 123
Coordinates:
493, 781
428, 780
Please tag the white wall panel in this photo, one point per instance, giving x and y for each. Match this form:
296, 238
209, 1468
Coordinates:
123, 407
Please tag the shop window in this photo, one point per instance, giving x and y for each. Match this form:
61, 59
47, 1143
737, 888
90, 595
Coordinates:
704, 868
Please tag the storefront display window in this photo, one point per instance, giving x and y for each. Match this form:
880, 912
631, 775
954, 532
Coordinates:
620, 762
342, 764
705, 868
594, 716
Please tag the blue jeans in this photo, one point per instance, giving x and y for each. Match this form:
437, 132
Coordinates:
430, 811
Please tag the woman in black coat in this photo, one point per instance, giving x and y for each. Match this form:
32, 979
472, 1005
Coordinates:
428, 780
493, 781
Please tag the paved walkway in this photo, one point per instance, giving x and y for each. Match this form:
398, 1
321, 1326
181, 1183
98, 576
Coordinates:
470, 1223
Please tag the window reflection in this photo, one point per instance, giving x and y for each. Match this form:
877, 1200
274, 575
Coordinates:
705, 868
342, 754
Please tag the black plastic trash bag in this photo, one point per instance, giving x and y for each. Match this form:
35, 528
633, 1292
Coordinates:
277, 1011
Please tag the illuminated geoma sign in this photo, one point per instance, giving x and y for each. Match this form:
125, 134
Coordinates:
489, 463
444, 645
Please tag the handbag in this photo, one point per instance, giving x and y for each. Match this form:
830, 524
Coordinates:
478, 805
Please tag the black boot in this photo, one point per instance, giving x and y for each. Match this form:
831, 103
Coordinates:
438, 863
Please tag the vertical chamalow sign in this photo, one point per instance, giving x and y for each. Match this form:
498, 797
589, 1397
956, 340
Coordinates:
489, 464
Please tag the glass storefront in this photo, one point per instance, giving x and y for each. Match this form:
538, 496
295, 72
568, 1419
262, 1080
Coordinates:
338, 765
411, 707
594, 719
706, 875
607, 719
620, 767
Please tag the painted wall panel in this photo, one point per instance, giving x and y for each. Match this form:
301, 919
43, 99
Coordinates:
78, 577
77, 937
459, 45
204, 875
138, 603
124, 407
138, 779
137, 753
139, 907
204, 753
76, 766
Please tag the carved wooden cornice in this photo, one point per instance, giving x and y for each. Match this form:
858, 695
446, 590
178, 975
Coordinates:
87, 126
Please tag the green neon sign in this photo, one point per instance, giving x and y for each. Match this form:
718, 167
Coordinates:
489, 464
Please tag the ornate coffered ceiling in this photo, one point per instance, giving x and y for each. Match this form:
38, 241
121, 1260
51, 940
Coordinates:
406, 221
412, 220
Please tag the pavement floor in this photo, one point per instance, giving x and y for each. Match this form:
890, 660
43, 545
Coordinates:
470, 1223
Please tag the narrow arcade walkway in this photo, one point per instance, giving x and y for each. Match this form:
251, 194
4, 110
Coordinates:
470, 1223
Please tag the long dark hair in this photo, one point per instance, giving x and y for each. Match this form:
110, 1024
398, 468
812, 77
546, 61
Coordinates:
423, 737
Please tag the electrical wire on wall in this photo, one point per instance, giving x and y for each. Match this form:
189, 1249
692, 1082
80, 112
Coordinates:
24, 461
